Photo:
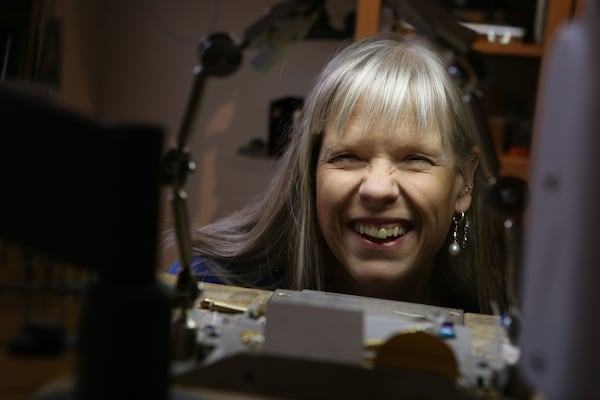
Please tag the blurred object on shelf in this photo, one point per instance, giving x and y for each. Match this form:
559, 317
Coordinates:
517, 137
502, 34
521, 14
282, 114
283, 111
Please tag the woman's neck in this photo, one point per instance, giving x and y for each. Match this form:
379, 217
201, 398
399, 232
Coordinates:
415, 288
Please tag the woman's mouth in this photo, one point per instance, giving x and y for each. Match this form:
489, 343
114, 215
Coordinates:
380, 232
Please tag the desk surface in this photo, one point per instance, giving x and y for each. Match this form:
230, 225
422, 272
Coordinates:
483, 326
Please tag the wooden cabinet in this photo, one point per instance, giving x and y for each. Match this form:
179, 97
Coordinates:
510, 85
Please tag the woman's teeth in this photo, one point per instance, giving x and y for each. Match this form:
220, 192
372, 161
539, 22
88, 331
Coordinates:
379, 232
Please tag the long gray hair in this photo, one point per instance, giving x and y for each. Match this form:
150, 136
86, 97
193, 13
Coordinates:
392, 78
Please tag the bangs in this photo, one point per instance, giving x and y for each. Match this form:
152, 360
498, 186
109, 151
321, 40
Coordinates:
387, 88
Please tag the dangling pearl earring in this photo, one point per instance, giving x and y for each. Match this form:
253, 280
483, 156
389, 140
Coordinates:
454, 248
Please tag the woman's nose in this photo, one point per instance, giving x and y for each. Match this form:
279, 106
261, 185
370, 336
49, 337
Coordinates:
379, 187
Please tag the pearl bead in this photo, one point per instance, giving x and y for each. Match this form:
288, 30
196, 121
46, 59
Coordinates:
454, 249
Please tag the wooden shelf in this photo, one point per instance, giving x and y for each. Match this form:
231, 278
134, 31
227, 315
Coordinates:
514, 166
515, 49
557, 12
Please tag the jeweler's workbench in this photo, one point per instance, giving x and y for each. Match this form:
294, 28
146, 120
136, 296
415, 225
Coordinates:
234, 327
255, 332
483, 326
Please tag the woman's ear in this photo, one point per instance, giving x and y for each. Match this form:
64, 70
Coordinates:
465, 191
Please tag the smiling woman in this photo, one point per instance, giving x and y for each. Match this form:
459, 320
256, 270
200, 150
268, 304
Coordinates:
378, 193
385, 200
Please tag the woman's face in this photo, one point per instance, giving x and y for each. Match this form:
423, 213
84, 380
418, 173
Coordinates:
384, 205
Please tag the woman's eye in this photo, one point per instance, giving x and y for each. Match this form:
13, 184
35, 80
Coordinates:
345, 157
417, 158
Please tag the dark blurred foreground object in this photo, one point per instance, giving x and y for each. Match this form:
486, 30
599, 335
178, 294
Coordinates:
87, 192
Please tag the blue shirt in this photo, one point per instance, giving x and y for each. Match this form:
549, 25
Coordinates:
203, 273
199, 269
